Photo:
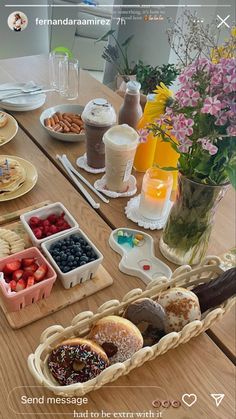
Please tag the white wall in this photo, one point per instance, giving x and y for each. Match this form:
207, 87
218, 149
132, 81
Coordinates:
33, 40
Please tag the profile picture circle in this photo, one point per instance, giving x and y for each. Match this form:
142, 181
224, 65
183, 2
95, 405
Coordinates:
17, 21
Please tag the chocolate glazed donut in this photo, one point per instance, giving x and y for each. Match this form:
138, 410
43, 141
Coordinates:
149, 317
76, 361
215, 292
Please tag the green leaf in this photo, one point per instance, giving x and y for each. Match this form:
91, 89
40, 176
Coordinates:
127, 41
105, 36
231, 173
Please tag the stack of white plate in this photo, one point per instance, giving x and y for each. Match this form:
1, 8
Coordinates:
21, 103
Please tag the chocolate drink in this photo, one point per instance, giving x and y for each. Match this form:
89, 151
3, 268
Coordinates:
131, 110
98, 116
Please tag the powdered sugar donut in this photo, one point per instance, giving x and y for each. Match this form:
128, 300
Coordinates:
181, 307
76, 361
119, 338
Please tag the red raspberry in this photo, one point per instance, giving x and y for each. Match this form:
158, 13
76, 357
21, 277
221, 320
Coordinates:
38, 233
52, 218
34, 222
53, 229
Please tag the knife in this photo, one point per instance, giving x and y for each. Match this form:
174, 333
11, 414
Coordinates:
26, 94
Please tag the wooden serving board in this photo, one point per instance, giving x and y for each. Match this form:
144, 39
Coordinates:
59, 297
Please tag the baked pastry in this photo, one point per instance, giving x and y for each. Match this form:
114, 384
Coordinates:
3, 119
215, 292
76, 361
10, 243
149, 317
119, 338
181, 307
12, 175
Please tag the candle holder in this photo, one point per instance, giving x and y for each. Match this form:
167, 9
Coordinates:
151, 209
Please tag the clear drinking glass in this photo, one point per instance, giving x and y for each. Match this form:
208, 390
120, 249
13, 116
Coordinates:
69, 79
55, 58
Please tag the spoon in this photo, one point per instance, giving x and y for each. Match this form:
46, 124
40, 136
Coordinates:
28, 87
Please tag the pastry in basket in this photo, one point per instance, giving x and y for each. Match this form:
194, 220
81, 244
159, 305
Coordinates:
215, 292
119, 338
12, 175
149, 317
10, 243
76, 361
181, 307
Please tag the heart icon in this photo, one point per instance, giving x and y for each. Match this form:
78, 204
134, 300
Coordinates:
189, 399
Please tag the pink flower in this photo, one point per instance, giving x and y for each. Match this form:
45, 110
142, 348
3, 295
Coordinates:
229, 83
208, 146
211, 105
143, 133
182, 127
231, 130
185, 146
221, 119
190, 98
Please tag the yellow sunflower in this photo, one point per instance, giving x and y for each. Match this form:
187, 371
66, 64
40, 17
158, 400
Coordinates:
154, 109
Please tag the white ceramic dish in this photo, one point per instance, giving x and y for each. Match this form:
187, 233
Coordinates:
47, 113
22, 103
77, 275
56, 208
135, 258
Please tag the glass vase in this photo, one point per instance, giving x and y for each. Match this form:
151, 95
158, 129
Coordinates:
187, 231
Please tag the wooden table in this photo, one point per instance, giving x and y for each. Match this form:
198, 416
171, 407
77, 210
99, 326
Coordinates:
191, 368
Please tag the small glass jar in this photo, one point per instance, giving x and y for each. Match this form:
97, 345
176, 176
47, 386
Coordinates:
155, 194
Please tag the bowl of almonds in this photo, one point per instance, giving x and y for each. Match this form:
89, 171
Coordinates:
64, 122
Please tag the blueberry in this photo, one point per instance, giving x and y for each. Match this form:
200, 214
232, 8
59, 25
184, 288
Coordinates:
82, 263
69, 263
88, 248
58, 258
63, 263
63, 256
84, 259
71, 258
63, 247
65, 269
76, 239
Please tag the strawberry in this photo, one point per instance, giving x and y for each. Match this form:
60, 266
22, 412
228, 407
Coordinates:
12, 284
32, 268
30, 281
26, 275
20, 285
17, 274
40, 273
27, 261
12, 266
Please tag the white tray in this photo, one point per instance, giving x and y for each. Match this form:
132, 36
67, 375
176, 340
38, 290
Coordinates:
134, 258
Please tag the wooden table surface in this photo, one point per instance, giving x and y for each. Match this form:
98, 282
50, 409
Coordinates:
201, 366
223, 234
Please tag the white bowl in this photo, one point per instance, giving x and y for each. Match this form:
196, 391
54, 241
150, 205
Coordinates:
77, 275
60, 135
56, 208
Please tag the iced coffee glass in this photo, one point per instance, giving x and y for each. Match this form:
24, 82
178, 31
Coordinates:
120, 146
98, 116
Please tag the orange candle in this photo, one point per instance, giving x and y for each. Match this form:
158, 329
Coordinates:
155, 194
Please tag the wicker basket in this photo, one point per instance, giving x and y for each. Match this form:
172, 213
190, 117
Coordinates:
81, 324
